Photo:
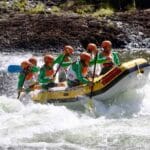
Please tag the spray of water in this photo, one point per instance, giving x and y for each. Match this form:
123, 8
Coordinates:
121, 122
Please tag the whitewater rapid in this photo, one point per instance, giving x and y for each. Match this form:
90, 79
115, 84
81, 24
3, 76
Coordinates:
120, 124
39, 126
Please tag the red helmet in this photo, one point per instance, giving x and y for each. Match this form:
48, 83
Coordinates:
25, 64
85, 56
48, 59
33, 61
91, 47
106, 44
68, 49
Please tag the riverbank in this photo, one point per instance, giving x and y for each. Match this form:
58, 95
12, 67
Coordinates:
51, 31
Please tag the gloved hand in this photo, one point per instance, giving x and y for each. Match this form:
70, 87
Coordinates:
21, 90
90, 84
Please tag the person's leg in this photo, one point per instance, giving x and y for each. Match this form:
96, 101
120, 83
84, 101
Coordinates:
105, 69
49, 85
73, 83
62, 76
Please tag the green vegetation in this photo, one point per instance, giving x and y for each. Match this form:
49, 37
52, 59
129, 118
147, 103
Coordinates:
39, 8
95, 8
55, 9
103, 12
20, 5
84, 9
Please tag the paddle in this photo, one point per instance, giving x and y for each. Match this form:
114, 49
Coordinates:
90, 102
59, 66
14, 68
19, 92
91, 94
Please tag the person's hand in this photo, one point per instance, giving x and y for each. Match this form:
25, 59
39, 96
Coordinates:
89, 78
90, 84
109, 58
53, 78
21, 90
50, 79
37, 87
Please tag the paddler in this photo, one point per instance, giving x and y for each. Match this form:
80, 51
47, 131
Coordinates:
46, 75
63, 60
27, 77
78, 70
112, 58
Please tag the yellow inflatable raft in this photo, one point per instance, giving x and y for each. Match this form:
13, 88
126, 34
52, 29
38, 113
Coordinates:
118, 79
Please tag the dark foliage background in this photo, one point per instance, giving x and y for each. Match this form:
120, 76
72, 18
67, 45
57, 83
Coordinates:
120, 4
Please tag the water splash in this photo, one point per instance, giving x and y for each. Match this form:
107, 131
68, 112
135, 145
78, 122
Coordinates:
122, 122
130, 103
20, 123
145, 107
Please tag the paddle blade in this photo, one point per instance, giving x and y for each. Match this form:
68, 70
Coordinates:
14, 69
90, 105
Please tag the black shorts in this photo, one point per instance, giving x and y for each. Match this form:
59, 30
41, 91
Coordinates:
106, 69
73, 83
49, 85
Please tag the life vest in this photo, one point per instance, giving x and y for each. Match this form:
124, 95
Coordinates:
49, 73
109, 64
85, 71
66, 59
63, 69
31, 79
29, 76
71, 74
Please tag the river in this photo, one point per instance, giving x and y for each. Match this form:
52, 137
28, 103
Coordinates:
122, 124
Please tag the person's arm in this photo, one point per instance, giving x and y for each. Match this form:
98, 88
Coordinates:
100, 59
60, 61
116, 58
35, 69
78, 72
66, 64
21, 79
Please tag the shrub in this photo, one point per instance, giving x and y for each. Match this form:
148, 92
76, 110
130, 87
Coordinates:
39, 8
103, 12
83, 9
20, 5
55, 9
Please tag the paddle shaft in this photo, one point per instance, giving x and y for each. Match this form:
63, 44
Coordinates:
59, 66
91, 93
19, 92
22, 84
